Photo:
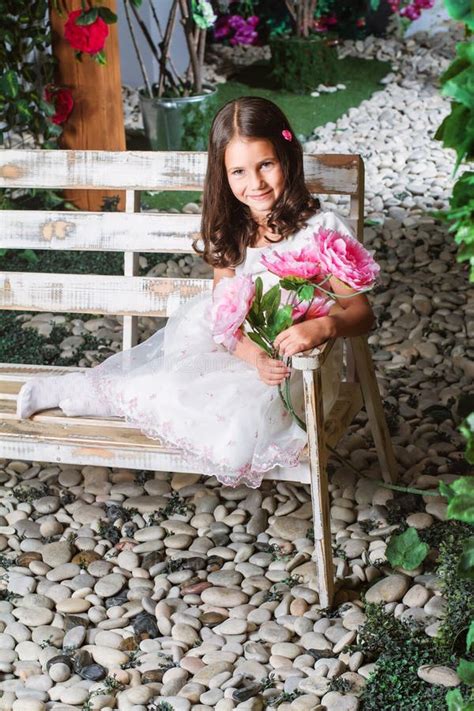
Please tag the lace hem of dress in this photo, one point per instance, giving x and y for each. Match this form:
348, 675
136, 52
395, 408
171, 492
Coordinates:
250, 474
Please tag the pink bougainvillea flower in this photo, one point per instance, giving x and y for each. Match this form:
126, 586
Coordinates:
287, 135
346, 258
303, 263
231, 301
85, 38
320, 306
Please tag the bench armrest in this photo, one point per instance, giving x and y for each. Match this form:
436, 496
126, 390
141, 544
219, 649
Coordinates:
313, 358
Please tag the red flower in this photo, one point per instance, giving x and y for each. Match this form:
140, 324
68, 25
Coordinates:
85, 38
62, 100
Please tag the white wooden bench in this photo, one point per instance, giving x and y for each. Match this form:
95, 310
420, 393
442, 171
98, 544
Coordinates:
50, 436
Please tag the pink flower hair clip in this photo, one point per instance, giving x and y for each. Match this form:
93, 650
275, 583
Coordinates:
287, 135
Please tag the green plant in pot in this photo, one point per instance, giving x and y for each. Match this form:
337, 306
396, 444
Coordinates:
177, 107
303, 59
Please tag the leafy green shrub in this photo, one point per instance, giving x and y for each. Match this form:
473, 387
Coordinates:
399, 649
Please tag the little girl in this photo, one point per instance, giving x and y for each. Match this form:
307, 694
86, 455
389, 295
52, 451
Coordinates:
222, 408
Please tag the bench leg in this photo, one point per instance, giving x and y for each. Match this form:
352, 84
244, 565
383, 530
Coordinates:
319, 485
373, 404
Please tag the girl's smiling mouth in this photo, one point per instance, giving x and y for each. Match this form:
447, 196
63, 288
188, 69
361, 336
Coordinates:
260, 197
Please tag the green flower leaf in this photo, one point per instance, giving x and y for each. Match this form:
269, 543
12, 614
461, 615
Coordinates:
306, 292
271, 301
100, 57
406, 550
259, 341
258, 289
107, 15
466, 560
281, 320
87, 18
291, 283
465, 671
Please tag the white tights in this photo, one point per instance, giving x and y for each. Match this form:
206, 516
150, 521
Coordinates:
73, 393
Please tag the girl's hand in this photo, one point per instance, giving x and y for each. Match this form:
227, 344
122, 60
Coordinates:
303, 336
271, 370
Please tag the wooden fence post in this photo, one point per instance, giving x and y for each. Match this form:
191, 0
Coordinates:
96, 122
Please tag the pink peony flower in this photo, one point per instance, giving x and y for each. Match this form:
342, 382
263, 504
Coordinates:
303, 263
319, 307
345, 258
231, 301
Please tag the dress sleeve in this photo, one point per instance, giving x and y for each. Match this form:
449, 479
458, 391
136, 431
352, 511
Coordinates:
332, 220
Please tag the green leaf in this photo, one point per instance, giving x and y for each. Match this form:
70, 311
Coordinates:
100, 57
24, 111
470, 637
87, 18
259, 341
255, 317
466, 560
455, 700
291, 283
461, 506
281, 320
406, 550
374, 5
107, 15
467, 430
461, 10
271, 300
258, 289
461, 88
306, 292
9, 84
136, 3
465, 671
30, 256
445, 490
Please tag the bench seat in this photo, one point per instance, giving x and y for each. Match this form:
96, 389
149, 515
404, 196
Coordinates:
50, 436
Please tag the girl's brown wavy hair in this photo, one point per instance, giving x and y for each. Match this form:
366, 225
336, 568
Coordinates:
227, 227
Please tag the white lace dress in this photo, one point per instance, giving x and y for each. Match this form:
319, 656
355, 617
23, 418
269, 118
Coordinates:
183, 389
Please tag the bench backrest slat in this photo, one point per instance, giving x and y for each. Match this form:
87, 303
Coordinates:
97, 294
148, 170
100, 231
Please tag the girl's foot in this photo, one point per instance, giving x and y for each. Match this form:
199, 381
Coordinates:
84, 405
38, 394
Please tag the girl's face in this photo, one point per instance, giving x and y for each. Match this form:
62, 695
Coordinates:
254, 174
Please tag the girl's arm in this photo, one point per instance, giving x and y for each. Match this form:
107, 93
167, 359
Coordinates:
354, 317
348, 317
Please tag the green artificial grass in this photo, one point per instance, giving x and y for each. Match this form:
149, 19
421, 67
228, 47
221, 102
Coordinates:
305, 112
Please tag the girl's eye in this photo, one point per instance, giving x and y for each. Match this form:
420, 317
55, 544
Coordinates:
237, 172
267, 163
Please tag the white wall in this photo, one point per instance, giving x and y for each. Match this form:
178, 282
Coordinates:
130, 68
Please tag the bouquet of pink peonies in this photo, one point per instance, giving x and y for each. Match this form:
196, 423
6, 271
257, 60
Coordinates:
303, 275
300, 294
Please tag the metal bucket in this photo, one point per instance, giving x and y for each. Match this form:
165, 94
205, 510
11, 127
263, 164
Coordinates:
178, 124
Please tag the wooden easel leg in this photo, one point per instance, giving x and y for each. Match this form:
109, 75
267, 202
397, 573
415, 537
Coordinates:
373, 404
319, 485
